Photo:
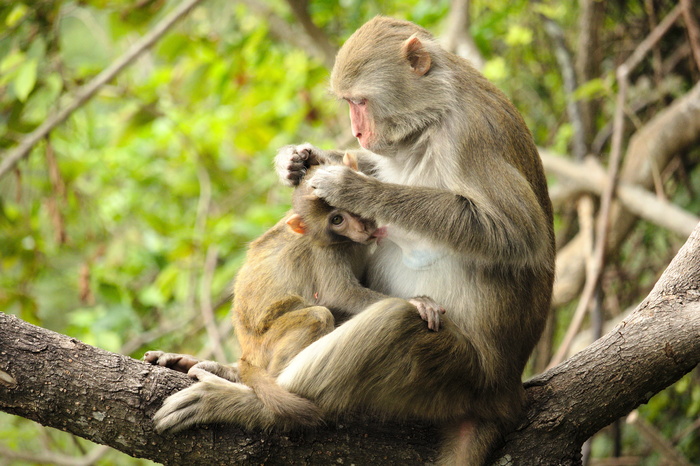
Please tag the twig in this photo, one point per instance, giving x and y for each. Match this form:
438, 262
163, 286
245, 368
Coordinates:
568, 74
673, 58
660, 443
687, 431
653, 37
693, 29
206, 307
86, 92
596, 267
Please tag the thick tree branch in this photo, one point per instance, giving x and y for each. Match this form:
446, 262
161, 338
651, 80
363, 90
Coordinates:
589, 176
110, 399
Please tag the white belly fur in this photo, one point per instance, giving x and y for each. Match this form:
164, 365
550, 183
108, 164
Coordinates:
407, 267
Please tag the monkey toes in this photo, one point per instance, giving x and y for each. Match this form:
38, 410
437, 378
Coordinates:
174, 361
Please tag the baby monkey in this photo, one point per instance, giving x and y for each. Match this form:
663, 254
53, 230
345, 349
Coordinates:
298, 279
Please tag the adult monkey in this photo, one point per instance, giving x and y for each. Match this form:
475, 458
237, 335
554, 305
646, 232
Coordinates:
457, 176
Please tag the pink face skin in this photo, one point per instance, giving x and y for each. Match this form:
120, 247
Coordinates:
353, 227
360, 122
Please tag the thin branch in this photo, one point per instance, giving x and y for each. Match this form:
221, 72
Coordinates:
568, 73
668, 452
596, 266
654, 36
86, 92
206, 308
318, 37
693, 29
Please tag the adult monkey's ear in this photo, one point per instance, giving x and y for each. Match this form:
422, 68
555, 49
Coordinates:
350, 160
417, 55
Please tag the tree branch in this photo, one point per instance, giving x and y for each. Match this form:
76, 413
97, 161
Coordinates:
653, 145
109, 398
691, 25
318, 37
589, 176
568, 74
457, 38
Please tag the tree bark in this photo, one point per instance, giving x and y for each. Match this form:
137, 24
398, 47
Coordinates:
109, 398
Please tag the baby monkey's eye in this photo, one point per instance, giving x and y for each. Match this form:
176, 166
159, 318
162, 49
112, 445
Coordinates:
337, 219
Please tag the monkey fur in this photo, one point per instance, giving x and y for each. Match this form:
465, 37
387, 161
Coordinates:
297, 279
455, 175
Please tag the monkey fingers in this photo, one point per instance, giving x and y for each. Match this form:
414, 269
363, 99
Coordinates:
429, 311
174, 361
328, 181
292, 162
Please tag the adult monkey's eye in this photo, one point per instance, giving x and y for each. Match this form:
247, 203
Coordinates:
356, 101
337, 219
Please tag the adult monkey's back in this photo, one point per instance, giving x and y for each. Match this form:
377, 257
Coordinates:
457, 177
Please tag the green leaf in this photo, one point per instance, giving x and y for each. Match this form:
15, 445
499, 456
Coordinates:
12, 60
518, 35
16, 15
592, 89
25, 80
495, 69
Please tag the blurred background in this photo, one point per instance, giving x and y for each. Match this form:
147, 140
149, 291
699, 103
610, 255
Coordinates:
125, 226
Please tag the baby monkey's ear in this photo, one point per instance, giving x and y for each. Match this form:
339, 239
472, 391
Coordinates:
296, 224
